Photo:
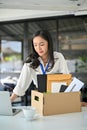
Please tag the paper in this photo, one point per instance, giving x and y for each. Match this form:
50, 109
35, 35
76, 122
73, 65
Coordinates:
56, 86
75, 85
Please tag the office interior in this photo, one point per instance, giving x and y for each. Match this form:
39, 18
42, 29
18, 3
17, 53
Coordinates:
69, 37
69, 33
66, 20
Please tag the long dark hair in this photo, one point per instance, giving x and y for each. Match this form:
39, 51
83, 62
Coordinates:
33, 58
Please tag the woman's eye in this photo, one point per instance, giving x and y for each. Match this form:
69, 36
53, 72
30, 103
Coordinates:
42, 44
35, 45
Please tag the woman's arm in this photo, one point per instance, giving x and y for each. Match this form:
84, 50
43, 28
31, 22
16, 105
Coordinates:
23, 83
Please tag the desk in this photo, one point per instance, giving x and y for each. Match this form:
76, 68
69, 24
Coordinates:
70, 121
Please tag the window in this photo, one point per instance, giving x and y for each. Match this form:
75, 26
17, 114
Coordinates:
73, 42
10, 56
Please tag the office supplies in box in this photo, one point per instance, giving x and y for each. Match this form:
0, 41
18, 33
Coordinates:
56, 103
42, 82
56, 80
75, 85
51, 82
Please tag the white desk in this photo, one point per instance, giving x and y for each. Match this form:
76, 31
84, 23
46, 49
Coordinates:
71, 121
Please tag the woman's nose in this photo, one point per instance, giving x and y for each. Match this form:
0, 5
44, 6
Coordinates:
39, 48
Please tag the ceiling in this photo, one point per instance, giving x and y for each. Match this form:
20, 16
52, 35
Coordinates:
45, 4
21, 9
71, 26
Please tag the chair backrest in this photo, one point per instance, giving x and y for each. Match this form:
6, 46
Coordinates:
27, 96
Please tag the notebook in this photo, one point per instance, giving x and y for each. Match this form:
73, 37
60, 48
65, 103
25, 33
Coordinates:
5, 104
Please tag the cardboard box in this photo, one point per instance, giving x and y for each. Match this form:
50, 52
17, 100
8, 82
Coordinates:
56, 103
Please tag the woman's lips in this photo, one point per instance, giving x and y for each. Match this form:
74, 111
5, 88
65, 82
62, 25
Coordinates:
40, 52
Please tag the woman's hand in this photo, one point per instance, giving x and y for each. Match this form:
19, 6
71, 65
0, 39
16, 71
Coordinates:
13, 97
84, 104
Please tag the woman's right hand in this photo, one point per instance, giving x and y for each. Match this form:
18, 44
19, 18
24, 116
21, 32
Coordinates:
13, 97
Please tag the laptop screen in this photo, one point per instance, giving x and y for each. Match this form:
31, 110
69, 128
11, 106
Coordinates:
5, 104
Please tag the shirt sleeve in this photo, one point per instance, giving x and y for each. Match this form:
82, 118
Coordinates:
24, 81
63, 65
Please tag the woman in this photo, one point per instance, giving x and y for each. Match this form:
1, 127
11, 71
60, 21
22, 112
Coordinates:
42, 61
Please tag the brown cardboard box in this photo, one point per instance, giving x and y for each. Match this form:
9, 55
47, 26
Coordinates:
56, 103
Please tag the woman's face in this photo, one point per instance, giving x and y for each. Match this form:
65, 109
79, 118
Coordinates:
40, 46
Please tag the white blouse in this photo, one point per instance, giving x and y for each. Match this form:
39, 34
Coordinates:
28, 74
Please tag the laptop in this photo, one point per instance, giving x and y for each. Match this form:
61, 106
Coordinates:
5, 104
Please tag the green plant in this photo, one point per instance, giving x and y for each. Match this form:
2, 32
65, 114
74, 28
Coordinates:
83, 58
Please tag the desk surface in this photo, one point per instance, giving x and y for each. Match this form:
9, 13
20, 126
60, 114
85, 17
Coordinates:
70, 121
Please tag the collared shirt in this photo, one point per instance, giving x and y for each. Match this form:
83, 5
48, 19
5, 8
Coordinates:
28, 74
